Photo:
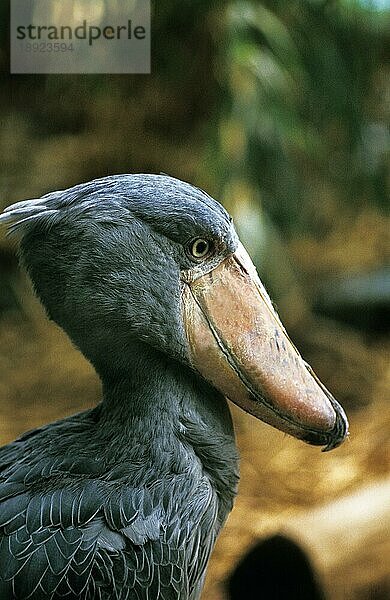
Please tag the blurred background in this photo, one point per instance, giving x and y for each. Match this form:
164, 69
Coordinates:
280, 110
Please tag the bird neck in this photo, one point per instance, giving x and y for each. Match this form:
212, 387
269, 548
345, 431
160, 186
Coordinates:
155, 388
167, 409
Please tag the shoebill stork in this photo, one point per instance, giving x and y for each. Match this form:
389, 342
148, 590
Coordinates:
148, 278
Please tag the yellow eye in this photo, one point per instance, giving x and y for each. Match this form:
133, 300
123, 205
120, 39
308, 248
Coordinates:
200, 248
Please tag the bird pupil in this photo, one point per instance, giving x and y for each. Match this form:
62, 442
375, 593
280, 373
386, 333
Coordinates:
201, 247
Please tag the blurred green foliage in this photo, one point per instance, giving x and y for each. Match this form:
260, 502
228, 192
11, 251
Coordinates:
303, 116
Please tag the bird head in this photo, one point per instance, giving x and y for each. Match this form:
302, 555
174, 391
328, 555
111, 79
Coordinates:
153, 260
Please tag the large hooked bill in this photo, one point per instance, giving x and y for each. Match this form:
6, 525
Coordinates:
238, 343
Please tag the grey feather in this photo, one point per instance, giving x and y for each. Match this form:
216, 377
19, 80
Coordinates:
123, 501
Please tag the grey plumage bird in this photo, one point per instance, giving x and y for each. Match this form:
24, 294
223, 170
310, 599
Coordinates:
146, 275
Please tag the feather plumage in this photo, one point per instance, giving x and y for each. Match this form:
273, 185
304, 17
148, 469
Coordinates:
123, 501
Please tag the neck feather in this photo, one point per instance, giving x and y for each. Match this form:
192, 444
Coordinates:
171, 416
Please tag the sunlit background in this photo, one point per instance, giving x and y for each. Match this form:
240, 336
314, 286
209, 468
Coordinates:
280, 110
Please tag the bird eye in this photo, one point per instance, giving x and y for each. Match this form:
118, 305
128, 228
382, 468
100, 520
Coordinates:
200, 248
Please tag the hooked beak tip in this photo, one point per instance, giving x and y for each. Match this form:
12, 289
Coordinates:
333, 438
340, 431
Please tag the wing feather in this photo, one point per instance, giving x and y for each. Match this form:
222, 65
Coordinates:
65, 534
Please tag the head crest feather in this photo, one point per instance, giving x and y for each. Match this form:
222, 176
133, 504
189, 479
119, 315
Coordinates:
19, 215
